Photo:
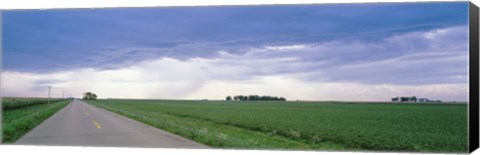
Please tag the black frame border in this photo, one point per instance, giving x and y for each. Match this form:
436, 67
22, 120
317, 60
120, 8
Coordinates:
473, 105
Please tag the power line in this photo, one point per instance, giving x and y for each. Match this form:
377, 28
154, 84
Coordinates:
55, 92
49, 87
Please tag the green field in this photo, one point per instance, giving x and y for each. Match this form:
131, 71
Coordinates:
15, 103
22, 115
305, 125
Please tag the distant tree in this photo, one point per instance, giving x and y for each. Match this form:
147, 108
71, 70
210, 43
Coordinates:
253, 97
404, 99
413, 99
263, 98
228, 98
395, 99
266, 98
256, 98
89, 96
239, 97
244, 98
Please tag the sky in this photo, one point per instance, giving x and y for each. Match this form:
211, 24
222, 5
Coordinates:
354, 52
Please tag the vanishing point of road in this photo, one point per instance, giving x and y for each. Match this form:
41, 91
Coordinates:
81, 124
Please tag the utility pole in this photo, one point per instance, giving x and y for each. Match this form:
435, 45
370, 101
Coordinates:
49, 87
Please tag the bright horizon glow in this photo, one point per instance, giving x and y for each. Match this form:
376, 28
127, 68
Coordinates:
297, 52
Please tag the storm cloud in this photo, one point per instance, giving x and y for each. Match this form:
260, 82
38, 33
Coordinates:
211, 52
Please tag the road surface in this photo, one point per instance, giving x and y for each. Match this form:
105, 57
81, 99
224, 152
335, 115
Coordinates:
81, 124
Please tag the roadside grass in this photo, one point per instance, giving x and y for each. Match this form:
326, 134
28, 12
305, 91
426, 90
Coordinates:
18, 121
14, 103
305, 125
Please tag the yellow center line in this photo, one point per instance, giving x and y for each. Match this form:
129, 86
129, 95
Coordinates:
97, 125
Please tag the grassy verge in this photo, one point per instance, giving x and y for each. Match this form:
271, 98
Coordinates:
18, 121
15, 103
298, 125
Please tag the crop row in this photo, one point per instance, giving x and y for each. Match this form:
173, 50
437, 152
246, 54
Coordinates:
355, 126
15, 103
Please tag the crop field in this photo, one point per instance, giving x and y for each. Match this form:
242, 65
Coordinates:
305, 125
14, 103
21, 115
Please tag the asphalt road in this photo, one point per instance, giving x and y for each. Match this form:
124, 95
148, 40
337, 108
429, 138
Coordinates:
81, 124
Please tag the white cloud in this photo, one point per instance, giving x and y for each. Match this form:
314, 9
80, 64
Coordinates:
424, 57
170, 78
294, 89
18, 83
288, 47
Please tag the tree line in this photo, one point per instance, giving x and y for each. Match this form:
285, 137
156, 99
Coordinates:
405, 99
412, 99
254, 98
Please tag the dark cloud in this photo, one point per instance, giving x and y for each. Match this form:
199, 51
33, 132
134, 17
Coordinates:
426, 57
38, 40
